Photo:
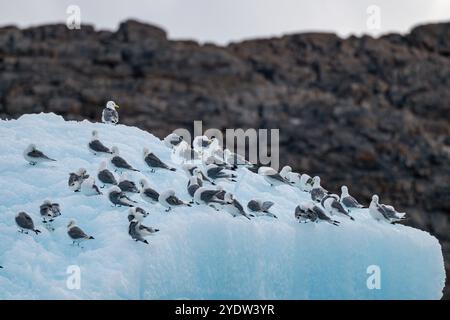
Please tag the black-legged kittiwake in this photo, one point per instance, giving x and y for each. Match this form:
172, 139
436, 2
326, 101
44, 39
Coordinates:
110, 114
105, 176
334, 207
168, 199
172, 140
147, 193
382, 212
126, 185
75, 179
216, 172
118, 162
154, 162
24, 222
35, 156
272, 176
96, 146
261, 208
76, 234
119, 198
348, 201
89, 188
317, 192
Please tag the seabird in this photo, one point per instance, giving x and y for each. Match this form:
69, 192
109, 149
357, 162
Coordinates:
126, 185
138, 231
118, 162
172, 140
168, 200
261, 208
96, 146
204, 195
184, 151
314, 213
49, 210
75, 179
235, 159
24, 221
384, 212
147, 193
317, 192
333, 206
218, 162
110, 114
193, 170
292, 177
105, 176
348, 201
193, 185
76, 234
304, 214
201, 142
34, 156
215, 172
89, 188
154, 162
137, 213
119, 198
272, 176
234, 207
306, 182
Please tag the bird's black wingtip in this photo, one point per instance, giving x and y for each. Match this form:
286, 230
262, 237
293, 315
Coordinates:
173, 169
91, 238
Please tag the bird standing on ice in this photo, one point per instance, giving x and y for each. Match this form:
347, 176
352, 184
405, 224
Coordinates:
50, 211
89, 188
96, 146
119, 198
317, 192
333, 206
76, 234
154, 162
105, 176
272, 176
168, 199
118, 162
137, 213
34, 156
76, 179
348, 201
261, 208
110, 114
136, 229
311, 212
172, 140
148, 194
126, 185
234, 207
384, 212
214, 172
24, 222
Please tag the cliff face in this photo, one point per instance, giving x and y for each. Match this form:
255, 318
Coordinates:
373, 114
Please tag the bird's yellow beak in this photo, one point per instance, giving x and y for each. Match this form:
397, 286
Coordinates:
116, 106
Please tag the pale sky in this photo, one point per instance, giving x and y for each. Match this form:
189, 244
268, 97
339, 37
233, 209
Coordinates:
233, 20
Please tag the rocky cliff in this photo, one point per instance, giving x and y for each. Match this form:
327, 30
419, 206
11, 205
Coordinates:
373, 114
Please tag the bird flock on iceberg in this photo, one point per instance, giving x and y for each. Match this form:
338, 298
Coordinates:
206, 164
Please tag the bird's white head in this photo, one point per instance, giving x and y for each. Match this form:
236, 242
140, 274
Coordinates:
31, 147
143, 183
316, 180
344, 191
375, 199
146, 152
115, 150
102, 166
111, 105
114, 189
71, 224
123, 177
81, 171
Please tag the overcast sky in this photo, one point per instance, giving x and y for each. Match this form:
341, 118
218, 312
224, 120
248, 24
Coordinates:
233, 20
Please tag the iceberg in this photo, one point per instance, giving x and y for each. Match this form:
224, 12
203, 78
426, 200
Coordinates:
199, 253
